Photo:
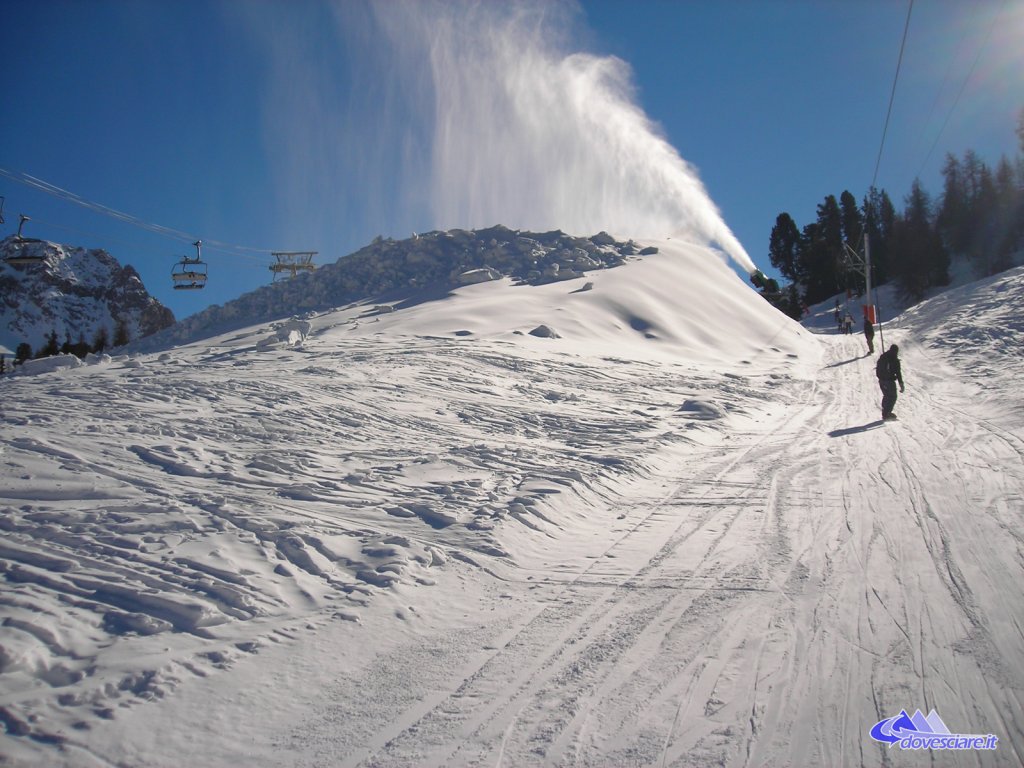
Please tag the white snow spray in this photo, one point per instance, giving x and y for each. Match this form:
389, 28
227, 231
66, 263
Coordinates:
396, 115
528, 134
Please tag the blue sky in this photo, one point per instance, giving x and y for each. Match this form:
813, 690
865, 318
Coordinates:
269, 125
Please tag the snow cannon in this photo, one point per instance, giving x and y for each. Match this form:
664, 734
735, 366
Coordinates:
758, 279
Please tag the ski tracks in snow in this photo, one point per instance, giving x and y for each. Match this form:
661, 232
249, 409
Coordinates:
751, 577
911, 572
815, 575
651, 655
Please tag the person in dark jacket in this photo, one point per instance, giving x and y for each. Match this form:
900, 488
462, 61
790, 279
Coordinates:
889, 372
869, 334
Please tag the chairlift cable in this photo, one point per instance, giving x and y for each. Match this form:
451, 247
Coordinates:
946, 77
885, 127
892, 94
107, 239
55, 191
174, 234
888, 115
963, 86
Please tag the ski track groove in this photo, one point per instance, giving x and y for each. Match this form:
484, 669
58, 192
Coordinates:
686, 529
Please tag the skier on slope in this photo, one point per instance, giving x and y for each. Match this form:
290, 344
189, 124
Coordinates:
889, 372
869, 334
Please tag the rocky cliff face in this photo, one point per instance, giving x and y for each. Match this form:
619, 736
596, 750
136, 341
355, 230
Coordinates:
73, 292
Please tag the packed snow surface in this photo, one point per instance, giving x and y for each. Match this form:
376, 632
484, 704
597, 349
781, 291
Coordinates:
671, 532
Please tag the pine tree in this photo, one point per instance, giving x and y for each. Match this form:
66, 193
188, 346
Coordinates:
784, 249
101, 340
923, 260
823, 249
954, 213
51, 347
853, 234
986, 236
1008, 218
795, 303
3, 364
879, 223
22, 353
853, 223
81, 347
121, 335
971, 168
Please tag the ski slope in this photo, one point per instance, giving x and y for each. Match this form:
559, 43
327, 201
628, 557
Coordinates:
676, 534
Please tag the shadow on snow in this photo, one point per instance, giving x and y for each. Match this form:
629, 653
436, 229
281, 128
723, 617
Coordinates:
856, 430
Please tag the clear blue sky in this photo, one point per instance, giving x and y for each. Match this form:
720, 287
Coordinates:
223, 119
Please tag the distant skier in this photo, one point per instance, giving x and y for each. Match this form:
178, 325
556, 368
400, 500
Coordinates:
848, 323
889, 372
869, 334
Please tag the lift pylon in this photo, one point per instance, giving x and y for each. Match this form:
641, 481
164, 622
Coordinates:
292, 262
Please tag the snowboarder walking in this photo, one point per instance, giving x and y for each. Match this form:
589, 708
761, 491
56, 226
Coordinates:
869, 334
889, 372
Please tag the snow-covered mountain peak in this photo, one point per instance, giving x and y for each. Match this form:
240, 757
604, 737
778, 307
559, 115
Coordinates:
70, 291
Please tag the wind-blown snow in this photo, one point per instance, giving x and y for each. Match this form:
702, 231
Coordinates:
671, 533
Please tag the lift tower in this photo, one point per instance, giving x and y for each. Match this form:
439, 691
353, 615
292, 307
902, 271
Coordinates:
293, 262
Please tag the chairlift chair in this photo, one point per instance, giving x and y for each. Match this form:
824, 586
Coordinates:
21, 257
189, 274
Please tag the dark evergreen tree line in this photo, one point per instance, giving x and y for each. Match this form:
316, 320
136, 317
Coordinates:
980, 217
100, 343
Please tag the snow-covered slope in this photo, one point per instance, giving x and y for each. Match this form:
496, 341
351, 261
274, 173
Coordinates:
420, 268
72, 292
682, 304
978, 327
672, 532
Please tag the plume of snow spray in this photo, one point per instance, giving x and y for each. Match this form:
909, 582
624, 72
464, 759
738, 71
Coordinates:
528, 134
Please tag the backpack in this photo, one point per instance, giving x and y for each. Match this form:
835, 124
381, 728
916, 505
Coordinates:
883, 368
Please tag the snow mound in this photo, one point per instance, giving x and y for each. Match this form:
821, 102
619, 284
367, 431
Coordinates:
289, 334
47, 365
701, 410
681, 302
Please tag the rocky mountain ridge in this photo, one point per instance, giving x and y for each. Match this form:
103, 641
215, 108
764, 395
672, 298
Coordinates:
424, 266
71, 291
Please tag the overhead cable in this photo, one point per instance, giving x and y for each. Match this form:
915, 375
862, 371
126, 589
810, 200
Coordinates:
159, 229
892, 95
963, 86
